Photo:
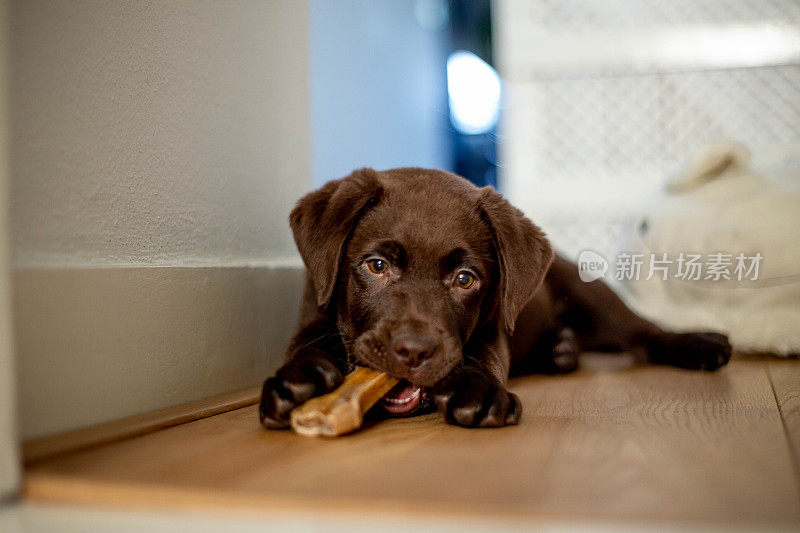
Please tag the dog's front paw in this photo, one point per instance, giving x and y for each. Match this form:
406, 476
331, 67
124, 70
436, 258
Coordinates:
294, 384
695, 351
475, 401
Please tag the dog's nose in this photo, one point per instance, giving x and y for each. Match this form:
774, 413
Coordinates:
411, 349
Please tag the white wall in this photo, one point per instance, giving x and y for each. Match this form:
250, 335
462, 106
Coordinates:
157, 132
9, 458
153, 134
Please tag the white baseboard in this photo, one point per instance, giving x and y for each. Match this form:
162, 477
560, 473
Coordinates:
99, 344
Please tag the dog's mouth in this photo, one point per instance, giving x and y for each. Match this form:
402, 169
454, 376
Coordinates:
402, 399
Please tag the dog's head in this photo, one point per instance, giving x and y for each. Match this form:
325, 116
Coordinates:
414, 262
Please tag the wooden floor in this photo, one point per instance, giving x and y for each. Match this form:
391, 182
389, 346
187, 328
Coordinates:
608, 442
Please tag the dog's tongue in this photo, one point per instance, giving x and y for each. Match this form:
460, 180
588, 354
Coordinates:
403, 398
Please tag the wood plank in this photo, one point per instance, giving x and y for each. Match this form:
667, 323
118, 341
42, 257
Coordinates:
645, 443
785, 377
45, 447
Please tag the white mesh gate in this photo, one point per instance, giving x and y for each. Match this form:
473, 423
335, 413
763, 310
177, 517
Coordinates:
590, 15
604, 99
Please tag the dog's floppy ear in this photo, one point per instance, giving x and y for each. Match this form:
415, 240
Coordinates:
322, 222
524, 254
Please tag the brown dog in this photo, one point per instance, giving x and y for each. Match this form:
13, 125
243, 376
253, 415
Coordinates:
421, 274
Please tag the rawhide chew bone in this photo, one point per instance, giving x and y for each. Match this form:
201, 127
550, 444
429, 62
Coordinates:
342, 410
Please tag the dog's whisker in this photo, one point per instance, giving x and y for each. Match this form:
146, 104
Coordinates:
321, 337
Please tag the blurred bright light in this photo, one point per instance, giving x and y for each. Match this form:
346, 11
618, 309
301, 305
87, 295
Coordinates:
473, 88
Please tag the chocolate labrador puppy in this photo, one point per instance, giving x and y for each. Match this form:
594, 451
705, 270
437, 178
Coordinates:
447, 286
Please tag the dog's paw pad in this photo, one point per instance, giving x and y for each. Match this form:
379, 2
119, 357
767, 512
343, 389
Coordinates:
564, 357
273, 411
504, 409
696, 351
479, 403
294, 384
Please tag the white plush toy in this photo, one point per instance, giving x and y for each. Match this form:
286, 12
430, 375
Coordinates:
724, 205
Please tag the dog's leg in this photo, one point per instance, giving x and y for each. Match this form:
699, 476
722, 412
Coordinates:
315, 364
540, 343
602, 322
555, 351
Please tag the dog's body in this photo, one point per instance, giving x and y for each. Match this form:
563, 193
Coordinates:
421, 274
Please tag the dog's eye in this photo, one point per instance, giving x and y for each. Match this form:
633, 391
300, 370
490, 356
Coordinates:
377, 266
465, 280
